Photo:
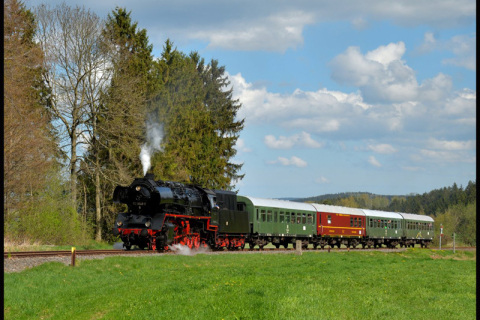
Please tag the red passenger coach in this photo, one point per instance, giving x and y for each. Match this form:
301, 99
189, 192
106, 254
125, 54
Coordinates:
339, 225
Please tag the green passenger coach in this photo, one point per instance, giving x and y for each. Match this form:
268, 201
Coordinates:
278, 222
383, 228
418, 229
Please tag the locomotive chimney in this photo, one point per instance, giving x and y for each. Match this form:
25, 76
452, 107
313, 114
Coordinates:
149, 176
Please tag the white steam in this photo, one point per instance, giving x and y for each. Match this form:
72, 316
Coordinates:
186, 251
154, 140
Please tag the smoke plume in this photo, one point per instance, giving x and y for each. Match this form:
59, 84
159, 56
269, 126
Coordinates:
153, 144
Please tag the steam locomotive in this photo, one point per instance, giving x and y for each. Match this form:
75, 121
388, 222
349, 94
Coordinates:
163, 213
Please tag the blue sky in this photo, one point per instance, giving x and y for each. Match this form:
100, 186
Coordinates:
337, 96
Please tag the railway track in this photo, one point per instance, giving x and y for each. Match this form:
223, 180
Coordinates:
32, 254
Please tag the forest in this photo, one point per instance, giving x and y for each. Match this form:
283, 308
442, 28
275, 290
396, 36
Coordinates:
87, 107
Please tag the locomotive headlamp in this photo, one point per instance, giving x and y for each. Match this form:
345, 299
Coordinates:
138, 188
147, 224
119, 223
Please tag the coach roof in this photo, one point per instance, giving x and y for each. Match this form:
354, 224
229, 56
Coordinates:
337, 209
411, 216
382, 214
282, 204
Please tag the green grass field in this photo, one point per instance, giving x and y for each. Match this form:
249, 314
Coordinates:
415, 284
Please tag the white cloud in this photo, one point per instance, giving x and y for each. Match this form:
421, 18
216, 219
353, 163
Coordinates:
462, 103
444, 156
275, 32
293, 161
322, 179
451, 145
335, 114
240, 146
302, 139
380, 74
382, 148
360, 23
462, 46
374, 162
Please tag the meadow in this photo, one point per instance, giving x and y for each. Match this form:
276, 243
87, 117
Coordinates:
413, 284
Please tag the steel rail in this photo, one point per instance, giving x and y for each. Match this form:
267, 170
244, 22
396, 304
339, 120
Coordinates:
31, 254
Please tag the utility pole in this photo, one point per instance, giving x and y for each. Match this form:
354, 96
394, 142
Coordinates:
454, 242
441, 234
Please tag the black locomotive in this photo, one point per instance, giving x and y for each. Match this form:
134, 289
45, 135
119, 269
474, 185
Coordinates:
162, 213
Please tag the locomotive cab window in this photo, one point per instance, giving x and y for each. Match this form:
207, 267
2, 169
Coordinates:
241, 206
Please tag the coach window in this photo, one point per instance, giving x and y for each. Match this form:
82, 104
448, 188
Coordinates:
287, 217
293, 218
371, 223
282, 217
275, 216
299, 218
262, 213
309, 219
269, 216
329, 219
355, 222
257, 214
351, 222
304, 218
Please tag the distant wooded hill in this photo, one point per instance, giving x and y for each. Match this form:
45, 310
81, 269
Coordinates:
429, 203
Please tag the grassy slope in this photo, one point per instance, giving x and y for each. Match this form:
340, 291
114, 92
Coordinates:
416, 284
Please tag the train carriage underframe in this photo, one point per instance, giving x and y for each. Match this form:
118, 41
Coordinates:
198, 233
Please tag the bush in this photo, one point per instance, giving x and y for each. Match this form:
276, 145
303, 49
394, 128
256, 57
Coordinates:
48, 218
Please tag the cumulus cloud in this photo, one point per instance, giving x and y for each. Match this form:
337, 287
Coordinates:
451, 145
383, 77
462, 46
293, 161
301, 139
442, 156
380, 74
382, 148
339, 115
322, 179
374, 162
240, 146
360, 23
276, 32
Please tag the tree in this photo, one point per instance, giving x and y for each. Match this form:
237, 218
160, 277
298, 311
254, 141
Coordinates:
29, 145
223, 111
199, 118
120, 123
75, 72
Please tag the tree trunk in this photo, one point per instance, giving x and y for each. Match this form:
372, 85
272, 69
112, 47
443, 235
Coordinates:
98, 210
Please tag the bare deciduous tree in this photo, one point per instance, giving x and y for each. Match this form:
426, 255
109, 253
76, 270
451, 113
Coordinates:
77, 73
